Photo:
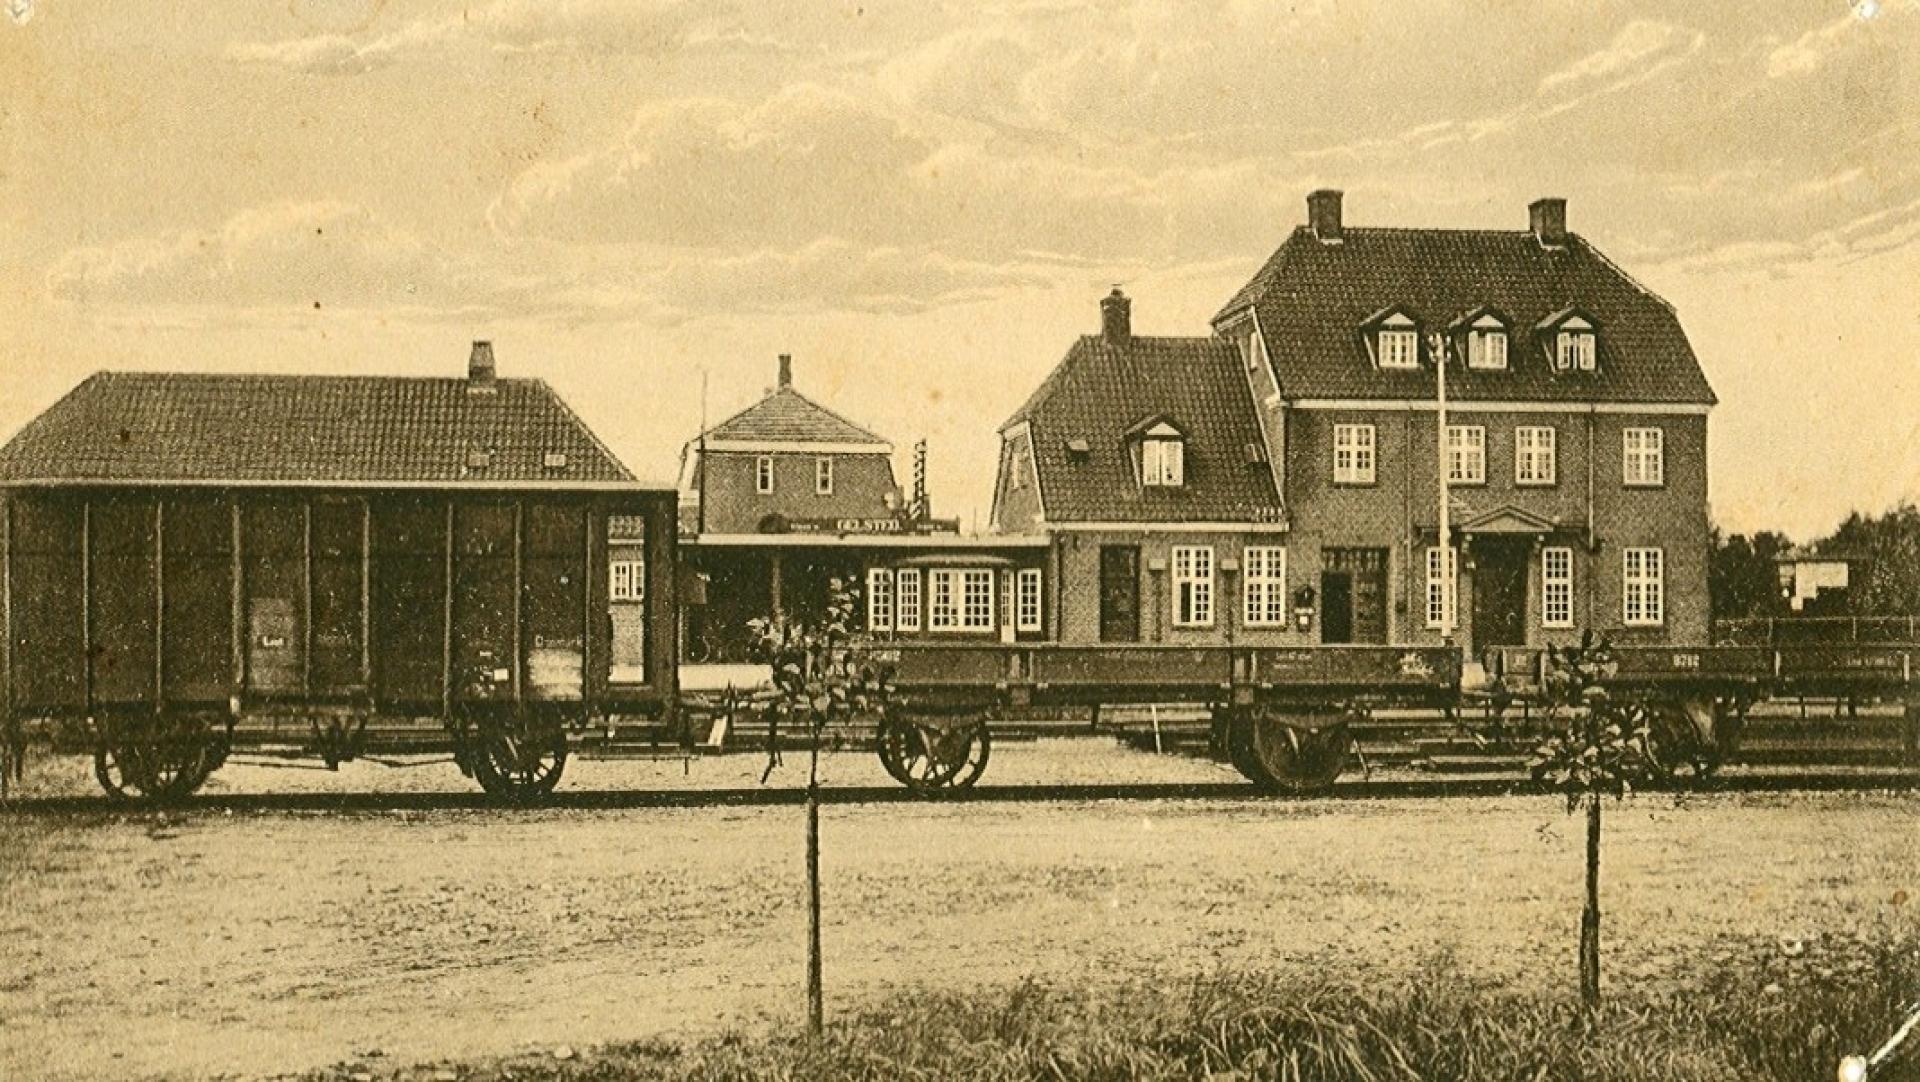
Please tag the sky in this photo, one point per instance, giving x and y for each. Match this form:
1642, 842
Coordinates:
923, 202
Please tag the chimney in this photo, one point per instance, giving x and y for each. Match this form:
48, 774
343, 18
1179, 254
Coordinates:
786, 370
1323, 215
1116, 318
1548, 220
480, 371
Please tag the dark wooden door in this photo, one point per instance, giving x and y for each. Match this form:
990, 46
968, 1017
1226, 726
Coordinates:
1119, 593
1336, 606
1500, 593
1366, 585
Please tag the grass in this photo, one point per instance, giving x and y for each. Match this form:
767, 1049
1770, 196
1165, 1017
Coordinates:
1761, 1011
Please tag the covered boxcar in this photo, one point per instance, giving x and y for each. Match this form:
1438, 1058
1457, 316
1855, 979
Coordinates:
189, 562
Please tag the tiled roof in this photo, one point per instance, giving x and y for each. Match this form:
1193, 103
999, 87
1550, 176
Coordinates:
1103, 389
788, 416
127, 426
1312, 298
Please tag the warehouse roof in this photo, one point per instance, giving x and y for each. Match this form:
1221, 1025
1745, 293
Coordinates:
306, 429
1109, 389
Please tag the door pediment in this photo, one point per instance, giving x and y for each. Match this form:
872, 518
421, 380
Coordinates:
1508, 520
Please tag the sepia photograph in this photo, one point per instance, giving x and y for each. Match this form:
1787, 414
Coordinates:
1033, 540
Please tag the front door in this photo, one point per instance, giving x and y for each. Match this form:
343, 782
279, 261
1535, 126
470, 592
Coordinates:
1119, 593
1363, 591
1500, 592
1336, 606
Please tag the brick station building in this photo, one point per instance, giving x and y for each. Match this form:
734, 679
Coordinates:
1277, 480
785, 495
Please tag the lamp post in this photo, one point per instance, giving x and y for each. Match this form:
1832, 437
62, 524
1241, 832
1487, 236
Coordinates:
1449, 564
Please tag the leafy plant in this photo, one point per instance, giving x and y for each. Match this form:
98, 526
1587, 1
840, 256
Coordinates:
1600, 746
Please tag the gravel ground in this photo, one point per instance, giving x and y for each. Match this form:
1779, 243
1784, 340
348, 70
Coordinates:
204, 942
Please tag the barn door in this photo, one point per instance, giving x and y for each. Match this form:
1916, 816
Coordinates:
555, 587
627, 598
339, 567
274, 542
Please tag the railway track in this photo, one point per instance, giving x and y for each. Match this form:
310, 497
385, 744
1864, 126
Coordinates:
1423, 788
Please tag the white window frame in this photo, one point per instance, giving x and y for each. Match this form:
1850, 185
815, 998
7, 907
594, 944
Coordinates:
1536, 455
879, 599
1466, 454
626, 580
1575, 346
960, 599
1643, 593
1643, 457
1399, 347
823, 475
1264, 585
1556, 586
1027, 600
1162, 462
763, 475
1443, 591
1354, 454
1192, 585
906, 599
1487, 344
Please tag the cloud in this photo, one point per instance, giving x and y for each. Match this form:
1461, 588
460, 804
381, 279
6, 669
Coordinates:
1818, 47
522, 26
1639, 45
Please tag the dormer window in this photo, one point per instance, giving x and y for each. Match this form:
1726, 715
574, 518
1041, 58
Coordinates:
1399, 342
1574, 346
1162, 456
1487, 343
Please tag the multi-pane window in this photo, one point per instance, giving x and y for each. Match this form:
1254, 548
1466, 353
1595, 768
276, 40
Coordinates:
1026, 601
763, 474
1556, 587
1399, 348
879, 599
1443, 573
1353, 454
1642, 457
1487, 345
1162, 462
1467, 454
1022, 465
1533, 455
976, 600
1265, 585
1574, 347
823, 476
906, 614
626, 580
1646, 587
1192, 586
943, 600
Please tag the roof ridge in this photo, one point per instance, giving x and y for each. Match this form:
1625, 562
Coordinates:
836, 415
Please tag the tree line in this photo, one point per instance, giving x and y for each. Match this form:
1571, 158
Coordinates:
1743, 579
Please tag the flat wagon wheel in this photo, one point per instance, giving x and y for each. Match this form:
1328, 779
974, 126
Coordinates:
519, 759
158, 759
1238, 746
1675, 742
929, 755
1294, 756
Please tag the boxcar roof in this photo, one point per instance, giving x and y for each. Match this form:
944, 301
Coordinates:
176, 428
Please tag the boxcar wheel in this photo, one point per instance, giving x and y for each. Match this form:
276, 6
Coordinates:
1239, 748
1294, 757
519, 759
159, 760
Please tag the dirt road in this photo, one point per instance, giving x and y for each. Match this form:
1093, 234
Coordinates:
199, 943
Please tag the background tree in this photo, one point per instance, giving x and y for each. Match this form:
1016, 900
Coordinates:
1743, 579
1599, 748
822, 674
1890, 578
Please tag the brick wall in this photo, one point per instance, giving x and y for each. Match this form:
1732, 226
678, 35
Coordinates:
860, 486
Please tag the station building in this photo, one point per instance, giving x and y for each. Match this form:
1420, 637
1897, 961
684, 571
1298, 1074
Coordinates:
1277, 481
786, 495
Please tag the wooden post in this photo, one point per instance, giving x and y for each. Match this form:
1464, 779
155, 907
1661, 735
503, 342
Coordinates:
816, 994
446, 622
519, 599
778, 587
159, 603
1590, 915
586, 611
86, 602
366, 597
11, 768
237, 585
306, 595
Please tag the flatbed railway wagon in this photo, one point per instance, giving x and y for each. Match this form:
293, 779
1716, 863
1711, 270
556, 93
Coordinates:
194, 565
